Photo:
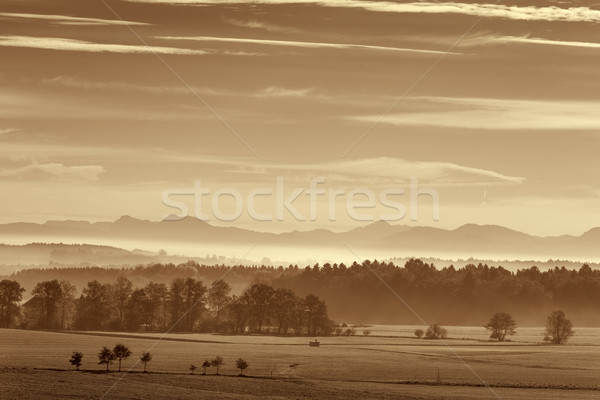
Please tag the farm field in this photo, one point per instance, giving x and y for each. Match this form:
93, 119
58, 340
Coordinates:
34, 365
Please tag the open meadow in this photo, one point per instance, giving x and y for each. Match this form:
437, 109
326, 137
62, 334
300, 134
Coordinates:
34, 364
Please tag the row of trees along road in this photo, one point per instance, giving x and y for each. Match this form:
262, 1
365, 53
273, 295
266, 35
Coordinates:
120, 353
186, 305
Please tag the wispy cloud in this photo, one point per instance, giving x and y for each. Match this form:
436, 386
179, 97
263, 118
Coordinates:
4, 131
63, 44
78, 83
397, 170
68, 20
291, 43
253, 24
54, 170
514, 12
498, 114
366, 171
275, 92
546, 42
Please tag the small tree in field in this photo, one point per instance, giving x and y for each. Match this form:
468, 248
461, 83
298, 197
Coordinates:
241, 364
366, 332
217, 362
146, 358
192, 368
206, 364
121, 353
106, 356
419, 333
501, 325
76, 360
558, 328
435, 331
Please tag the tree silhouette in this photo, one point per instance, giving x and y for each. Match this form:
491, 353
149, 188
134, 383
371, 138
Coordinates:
258, 297
121, 293
49, 294
435, 331
501, 325
93, 306
218, 298
76, 360
146, 358
558, 328
106, 356
241, 364
419, 333
192, 368
121, 352
315, 315
217, 362
206, 364
11, 294
284, 306
66, 303
194, 295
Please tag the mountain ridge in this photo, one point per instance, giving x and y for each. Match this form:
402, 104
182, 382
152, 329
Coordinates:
466, 238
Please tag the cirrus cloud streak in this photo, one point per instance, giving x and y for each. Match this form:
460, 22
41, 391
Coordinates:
497, 114
521, 13
292, 43
63, 44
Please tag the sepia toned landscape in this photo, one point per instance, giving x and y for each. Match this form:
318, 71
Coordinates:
299, 199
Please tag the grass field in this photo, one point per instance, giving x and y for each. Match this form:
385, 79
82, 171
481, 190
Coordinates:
34, 365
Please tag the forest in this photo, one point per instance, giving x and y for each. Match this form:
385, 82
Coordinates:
370, 292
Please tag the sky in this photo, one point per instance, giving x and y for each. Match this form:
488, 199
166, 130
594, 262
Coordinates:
107, 105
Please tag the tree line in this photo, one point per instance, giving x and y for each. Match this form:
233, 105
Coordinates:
185, 305
353, 293
448, 295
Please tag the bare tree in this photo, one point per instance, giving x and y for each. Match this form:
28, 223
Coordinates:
501, 325
106, 356
241, 364
217, 362
76, 359
206, 364
146, 358
558, 328
121, 352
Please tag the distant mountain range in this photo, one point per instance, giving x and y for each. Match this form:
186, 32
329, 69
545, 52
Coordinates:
468, 239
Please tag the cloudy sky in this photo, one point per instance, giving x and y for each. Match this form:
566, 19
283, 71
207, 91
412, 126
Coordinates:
104, 105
